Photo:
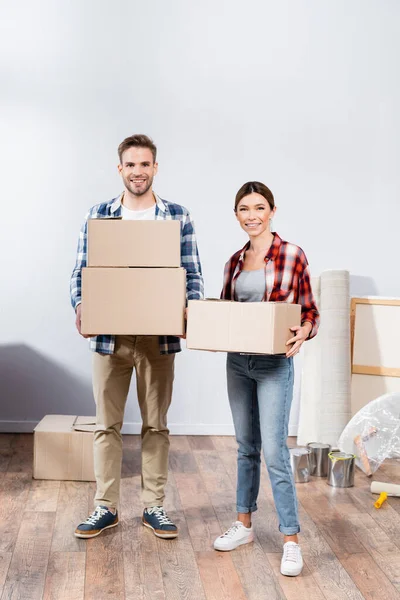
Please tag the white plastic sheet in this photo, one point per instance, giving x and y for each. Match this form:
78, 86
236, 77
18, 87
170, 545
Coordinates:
373, 434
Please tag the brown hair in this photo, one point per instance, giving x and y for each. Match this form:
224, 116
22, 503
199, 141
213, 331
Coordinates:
256, 187
137, 141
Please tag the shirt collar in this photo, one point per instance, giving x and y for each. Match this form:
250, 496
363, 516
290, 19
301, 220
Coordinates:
116, 204
272, 252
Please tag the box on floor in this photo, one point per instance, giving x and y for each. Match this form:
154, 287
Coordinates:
63, 448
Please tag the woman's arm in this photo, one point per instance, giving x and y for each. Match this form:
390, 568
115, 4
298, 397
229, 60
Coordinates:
309, 310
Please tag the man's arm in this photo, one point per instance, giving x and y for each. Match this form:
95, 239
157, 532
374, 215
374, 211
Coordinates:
76, 277
190, 260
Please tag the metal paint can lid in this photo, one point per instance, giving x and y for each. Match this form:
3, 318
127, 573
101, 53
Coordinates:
316, 445
340, 456
299, 451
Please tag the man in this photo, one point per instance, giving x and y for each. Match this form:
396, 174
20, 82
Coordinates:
152, 357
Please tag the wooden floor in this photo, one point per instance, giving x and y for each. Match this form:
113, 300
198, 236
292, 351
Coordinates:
351, 550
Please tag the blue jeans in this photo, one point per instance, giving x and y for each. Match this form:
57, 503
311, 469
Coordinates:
260, 390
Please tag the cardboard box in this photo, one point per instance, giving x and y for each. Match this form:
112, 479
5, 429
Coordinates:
63, 448
123, 243
133, 301
250, 327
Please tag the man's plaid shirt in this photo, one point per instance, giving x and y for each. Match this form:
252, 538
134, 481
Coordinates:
189, 260
287, 278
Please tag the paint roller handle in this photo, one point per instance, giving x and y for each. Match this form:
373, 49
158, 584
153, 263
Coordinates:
383, 496
391, 489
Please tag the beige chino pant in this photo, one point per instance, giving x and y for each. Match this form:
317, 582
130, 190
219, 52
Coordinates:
111, 380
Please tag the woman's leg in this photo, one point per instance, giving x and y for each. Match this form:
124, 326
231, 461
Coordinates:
243, 402
274, 375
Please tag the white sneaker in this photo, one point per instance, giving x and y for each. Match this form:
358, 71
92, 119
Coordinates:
292, 561
236, 535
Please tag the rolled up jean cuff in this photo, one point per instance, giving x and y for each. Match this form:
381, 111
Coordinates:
246, 509
289, 530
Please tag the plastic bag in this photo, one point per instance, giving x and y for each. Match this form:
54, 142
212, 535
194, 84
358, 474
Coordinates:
373, 434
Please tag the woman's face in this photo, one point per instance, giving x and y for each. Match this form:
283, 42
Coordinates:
253, 213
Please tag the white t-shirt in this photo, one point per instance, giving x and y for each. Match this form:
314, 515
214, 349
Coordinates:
148, 214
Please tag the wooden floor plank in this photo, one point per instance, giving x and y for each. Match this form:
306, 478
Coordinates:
22, 454
6, 451
7, 439
14, 491
330, 523
200, 442
43, 496
27, 571
327, 570
371, 581
181, 459
72, 509
388, 519
104, 566
381, 548
219, 577
142, 569
181, 575
256, 574
5, 559
200, 516
65, 578
224, 443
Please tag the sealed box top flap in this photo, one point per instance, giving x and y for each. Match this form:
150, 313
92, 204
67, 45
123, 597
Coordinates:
85, 424
65, 424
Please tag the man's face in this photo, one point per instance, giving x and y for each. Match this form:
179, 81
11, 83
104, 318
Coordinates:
138, 170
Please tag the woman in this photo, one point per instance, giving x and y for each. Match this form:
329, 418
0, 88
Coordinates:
260, 387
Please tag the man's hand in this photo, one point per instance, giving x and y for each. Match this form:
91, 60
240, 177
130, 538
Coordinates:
302, 334
78, 321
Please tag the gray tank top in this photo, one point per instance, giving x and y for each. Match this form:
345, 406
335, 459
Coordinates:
250, 286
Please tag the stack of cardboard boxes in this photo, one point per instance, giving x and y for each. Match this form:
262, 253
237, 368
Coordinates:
134, 283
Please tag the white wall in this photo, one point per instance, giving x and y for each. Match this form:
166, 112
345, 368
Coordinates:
300, 94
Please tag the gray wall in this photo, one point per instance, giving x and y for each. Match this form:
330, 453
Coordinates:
300, 94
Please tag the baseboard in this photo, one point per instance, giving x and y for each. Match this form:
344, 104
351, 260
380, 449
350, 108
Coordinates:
17, 426
133, 428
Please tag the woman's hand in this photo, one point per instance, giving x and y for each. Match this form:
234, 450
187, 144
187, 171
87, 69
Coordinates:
302, 334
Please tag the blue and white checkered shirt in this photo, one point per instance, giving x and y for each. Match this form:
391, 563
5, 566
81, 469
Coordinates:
189, 260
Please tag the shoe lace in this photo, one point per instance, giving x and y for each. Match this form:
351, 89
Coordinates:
231, 531
96, 515
291, 552
161, 515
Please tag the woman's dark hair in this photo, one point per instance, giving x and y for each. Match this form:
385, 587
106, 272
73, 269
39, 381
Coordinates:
256, 187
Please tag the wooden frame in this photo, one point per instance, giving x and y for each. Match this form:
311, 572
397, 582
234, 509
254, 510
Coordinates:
363, 369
